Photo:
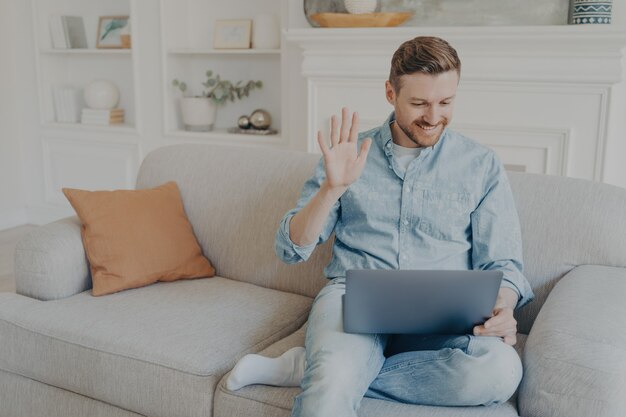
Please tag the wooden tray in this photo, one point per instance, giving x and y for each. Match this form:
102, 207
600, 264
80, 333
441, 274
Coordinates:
347, 20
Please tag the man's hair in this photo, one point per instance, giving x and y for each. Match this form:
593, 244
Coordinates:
425, 54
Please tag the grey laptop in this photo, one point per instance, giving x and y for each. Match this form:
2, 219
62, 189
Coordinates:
418, 301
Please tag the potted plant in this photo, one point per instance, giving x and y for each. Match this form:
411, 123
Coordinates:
199, 111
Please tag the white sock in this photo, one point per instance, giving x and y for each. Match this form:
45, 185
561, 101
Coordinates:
284, 371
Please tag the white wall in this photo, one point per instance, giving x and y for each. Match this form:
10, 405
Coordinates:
11, 196
615, 172
22, 194
21, 169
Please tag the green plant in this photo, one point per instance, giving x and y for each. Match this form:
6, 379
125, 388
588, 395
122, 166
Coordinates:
220, 90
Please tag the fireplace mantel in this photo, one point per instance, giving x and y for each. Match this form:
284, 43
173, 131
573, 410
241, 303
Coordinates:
540, 96
574, 53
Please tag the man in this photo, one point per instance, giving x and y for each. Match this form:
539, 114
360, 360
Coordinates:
411, 194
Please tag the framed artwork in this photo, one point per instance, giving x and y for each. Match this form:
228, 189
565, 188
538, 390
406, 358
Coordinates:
232, 34
110, 31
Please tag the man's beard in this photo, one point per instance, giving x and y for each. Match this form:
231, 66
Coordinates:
414, 137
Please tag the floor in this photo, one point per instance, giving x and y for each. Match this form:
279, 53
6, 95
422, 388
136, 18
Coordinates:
8, 241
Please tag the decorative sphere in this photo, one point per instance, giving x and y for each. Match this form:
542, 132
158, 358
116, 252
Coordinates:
101, 94
260, 119
243, 122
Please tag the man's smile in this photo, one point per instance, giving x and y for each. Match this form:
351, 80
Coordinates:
427, 127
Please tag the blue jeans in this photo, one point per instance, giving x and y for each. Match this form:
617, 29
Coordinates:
342, 368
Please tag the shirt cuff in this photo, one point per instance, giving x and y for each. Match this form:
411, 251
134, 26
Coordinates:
507, 284
292, 252
523, 298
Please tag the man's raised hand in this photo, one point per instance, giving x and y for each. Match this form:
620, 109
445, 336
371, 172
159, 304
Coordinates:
343, 164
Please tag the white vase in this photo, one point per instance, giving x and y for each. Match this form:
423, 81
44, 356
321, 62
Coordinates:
265, 32
101, 94
198, 113
360, 6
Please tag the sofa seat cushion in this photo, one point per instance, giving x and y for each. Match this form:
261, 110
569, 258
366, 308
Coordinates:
158, 350
268, 401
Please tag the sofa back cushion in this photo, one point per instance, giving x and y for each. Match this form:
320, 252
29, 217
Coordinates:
566, 222
235, 196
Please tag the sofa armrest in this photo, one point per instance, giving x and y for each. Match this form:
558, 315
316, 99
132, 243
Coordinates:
575, 355
50, 262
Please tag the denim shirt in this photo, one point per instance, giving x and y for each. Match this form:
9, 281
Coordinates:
452, 209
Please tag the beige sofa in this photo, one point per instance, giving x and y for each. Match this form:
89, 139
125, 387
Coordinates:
163, 350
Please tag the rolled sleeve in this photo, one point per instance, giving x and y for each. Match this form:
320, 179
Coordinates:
285, 248
496, 234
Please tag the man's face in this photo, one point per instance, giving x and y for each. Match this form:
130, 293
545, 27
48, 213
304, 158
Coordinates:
423, 107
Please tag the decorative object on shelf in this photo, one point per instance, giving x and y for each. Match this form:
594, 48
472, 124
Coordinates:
356, 13
125, 37
243, 122
101, 94
258, 123
252, 131
102, 117
260, 119
67, 104
232, 34
109, 31
360, 6
345, 20
590, 12
199, 112
265, 32
67, 32
312, 7
450, 12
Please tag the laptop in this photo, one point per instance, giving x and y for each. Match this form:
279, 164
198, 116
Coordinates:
418, 301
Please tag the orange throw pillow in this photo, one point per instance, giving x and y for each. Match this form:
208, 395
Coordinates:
135, 238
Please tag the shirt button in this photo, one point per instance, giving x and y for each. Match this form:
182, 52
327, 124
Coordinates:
406, 222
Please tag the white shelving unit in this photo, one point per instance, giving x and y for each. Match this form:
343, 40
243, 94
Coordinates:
170, 39
187, 53
190, 51
78, 67
121, 127
86, 51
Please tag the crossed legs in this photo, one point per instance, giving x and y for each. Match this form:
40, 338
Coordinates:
338, 369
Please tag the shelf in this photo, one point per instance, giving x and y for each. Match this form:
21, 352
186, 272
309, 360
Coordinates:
374, 37
201, 51
86, 51
224, 136
116, 128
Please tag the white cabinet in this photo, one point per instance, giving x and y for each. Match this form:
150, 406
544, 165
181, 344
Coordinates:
74, 154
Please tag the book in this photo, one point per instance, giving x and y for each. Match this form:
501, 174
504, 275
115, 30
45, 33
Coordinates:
57, 32
103, 112
101, 119
102, 116
67, 104
74, 30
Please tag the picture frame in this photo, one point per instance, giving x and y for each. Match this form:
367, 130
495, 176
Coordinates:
232, 34
111, 29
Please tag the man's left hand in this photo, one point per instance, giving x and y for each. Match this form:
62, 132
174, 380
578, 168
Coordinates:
502, 323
